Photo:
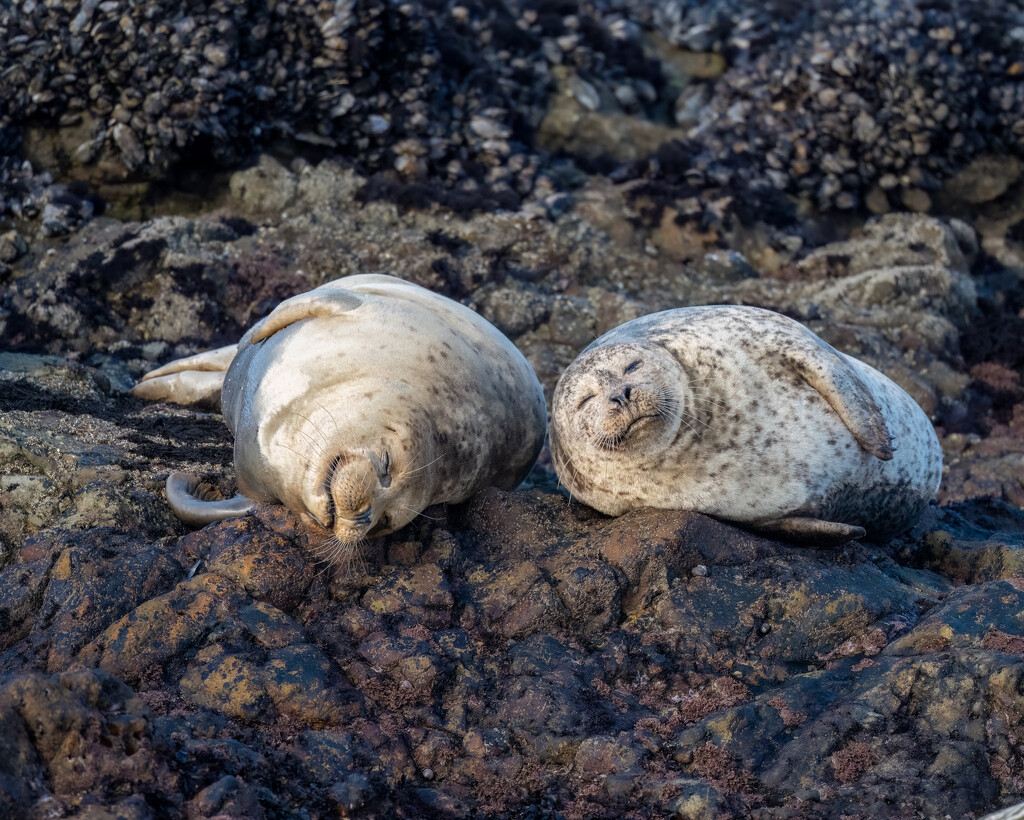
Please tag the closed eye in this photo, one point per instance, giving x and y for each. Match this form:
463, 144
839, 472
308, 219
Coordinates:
382, 464
632, 366
585, 400
328, 479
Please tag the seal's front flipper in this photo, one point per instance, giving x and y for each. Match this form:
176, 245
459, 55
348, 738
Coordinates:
322, 301
824, 369
199, 504
810, 531
192, 380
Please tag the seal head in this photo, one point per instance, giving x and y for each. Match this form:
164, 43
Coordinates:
627, 397
358, 480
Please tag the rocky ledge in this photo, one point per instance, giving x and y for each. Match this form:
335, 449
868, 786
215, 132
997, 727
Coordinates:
519, 655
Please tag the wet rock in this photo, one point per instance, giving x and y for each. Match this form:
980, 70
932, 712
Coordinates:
697, 799
77, 738
518, 654
516, 601
514, 311
896, 240
798, 91
228, 797
327, 756
422, 593
990, 610
267, 188
352, 793
12, 246
267, 567
725, 267
574, 123
916, 200
605, 756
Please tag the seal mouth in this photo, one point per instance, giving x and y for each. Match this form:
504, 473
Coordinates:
362, 519
612, 442
357, 526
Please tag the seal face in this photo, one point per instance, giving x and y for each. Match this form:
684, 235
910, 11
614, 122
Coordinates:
628, 394
744, 414
361, 403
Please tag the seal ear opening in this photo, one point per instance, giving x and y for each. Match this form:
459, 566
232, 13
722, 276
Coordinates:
199, 503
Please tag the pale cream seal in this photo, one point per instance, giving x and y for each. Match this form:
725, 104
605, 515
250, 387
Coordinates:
361, 403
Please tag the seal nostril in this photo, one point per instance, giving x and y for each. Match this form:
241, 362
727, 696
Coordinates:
621, 397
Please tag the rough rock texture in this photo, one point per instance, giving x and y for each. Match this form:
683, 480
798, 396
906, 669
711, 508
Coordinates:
441, 93
846, 106
901, 104
520, 655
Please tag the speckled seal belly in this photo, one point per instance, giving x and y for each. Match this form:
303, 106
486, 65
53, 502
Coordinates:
743, 414
361, 403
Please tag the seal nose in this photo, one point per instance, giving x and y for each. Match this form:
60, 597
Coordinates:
622, 396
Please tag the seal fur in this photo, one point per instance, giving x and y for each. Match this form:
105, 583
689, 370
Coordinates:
743, 414
361, 403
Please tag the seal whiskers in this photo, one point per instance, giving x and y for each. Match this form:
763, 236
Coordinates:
336, 553
422, 514
309, 439
429, 463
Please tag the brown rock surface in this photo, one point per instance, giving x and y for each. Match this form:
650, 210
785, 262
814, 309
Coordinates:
519, 655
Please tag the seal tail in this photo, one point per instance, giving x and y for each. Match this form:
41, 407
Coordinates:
196, 503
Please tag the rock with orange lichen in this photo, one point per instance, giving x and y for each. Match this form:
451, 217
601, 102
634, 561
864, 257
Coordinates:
228, 652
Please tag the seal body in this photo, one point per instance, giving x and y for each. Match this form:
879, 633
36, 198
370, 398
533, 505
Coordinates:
743, 414
363, 402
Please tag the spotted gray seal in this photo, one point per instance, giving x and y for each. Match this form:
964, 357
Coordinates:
359, 404
746, 415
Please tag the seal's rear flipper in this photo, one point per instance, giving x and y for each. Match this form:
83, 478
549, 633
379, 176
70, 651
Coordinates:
200, 504
809, 531
322, 301
826, 371
192, 380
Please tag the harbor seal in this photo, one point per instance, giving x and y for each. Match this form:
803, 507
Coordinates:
359, 404
743, 414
